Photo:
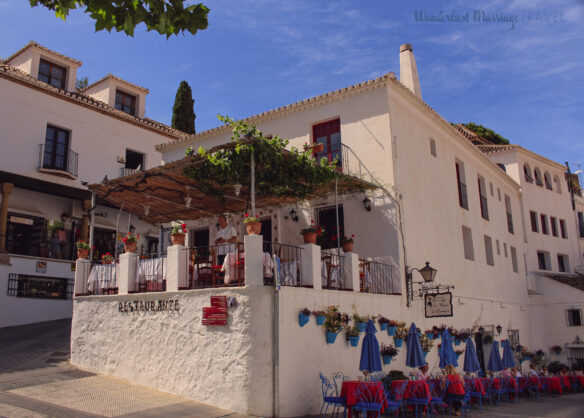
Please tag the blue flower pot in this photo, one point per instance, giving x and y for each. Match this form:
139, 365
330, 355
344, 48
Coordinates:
391, 331
331, 337
383, 326
398, 342
320, 320
361, 326
354, 341
387, 359
425, 353
457, 341
430, 335
303, 319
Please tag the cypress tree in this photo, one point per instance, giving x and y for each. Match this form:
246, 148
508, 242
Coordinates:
183, 113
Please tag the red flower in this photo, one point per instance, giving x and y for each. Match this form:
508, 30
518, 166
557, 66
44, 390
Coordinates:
124, 239
312, 221
333, 238
92, 247
352, 235
183, 226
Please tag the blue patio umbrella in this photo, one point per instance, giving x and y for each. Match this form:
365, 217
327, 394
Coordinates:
508, 360
471, 360
415, 355
449, 354
370, 356
442, 364
495, 364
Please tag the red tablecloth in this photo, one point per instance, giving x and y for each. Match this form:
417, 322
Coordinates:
534, 381
477, 386
565, 381
415, 389
553, 384
577, 379
350, 387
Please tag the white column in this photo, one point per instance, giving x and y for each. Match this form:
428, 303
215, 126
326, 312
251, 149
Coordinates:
126, 272
311, 266
254, 260
176, 268
82, 270
351, 271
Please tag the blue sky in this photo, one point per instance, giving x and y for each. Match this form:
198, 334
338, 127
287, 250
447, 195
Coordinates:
525, 82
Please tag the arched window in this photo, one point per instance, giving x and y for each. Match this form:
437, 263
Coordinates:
537, 175
548, 180
502, 167
558, 184
527, 173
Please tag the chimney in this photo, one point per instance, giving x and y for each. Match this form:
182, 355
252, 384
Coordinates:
408, 70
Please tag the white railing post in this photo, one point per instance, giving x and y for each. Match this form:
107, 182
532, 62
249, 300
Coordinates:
126, 273
254, 260
176, 268
351, 271
82, 270
311, 266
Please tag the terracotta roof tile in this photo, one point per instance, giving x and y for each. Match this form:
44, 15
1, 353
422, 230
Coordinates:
575, 280
32, 44
494, 148
121, 80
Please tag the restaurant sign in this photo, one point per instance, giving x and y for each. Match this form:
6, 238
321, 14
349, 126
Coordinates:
153, 306
438, 304
216, 314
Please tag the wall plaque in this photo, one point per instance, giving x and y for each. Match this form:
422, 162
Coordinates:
216, 314
438, 304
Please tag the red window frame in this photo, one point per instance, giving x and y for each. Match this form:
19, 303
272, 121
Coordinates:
326, 130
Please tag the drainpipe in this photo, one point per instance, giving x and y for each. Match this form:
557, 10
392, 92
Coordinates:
276, 349
91, 226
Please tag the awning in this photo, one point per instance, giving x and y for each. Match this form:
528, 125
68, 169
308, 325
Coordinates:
164, 194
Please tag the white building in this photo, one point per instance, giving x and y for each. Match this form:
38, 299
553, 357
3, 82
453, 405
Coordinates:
56, 139
441, 199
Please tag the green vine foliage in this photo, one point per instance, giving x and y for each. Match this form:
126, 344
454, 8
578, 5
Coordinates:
294, 175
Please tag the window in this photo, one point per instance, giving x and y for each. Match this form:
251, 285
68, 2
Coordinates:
514, 260
492, 189
499, 194
543, 260
25, 286
548, 180
537, 175
52, 74
24, 234
581, 224
563, 232
134, 161
557, 183
56, 149
554, 225
502, 167
498, 247
328, 221
467, 242
328, 134
544, 224
483, 198
489, 251
563, 263
574, 317
433, 147
527, 173
460, 178
125, 102
509, 214
505, 249
533, 217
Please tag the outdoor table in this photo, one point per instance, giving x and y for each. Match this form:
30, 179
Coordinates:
477, 386
415, 389
350, 387
234, 261
102, 277
553, 384
152, 271
335, 279
565, 382
534, 381
289, 272
577, 379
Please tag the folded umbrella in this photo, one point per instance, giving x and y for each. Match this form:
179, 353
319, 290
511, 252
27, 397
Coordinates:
508, 360
471, 360
415, 354
370, 355
448, 349
495, 364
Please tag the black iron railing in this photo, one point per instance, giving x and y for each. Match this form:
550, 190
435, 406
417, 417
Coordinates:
151, 274
65, 160
378, 277
287, 259
42, 287
216, 265
332, 272
102, 279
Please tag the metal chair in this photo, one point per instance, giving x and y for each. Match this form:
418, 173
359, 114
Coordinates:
370, 398
493, 392
470, 388
396, 397
338, 379
438, 390
328, 390
420, 397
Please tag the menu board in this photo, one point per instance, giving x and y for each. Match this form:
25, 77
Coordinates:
438, 304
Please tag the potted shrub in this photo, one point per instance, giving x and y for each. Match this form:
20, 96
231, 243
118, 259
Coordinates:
310, 233
107, 258
401, 333
388, 352
458, 352
333, 323
392, 327
360, 321
314, 148
303, 316
556, 349
352, 334
178, 233
383, 323
82, 249
320, 317
488, 339
347, 243
464, 334
252, 224
130, 242
427, 344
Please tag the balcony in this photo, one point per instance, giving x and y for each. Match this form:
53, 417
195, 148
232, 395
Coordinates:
60, 161
124, 171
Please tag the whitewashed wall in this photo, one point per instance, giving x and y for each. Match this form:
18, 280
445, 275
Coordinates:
227, 366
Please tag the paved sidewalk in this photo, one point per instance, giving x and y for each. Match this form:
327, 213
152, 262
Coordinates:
37, 380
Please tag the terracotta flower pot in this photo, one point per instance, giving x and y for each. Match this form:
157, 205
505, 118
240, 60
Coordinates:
254, 228
178, 238
107, 262
309, 237
82, 253
348, 247
130, 247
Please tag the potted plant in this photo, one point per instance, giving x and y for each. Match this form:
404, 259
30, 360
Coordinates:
130, 242
360, 321
320, 317
436, 331
347, 243
392, 327
383, 322
315, 147
252, 224
352, 334
178, 233
82, 249
388, 352
107, 258
303, 316
333, 323
310, 233
401, 333
458, 352
464, 334
427, 344
556, 349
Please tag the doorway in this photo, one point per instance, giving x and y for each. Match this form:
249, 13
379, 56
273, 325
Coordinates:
327, 219
266, 233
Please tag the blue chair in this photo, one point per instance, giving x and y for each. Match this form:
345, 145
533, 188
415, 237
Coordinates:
338, 379
510, 389
470, 388
418, 399
329, 398
438, 391
534, 389
369, 398
395, 397
494, 394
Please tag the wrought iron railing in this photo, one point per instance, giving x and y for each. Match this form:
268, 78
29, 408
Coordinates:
102, 279
151, 273
332, 271
378, 277
288, 259
48, 159
217, 265
42, 287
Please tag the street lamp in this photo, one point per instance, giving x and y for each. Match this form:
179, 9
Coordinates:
428, 274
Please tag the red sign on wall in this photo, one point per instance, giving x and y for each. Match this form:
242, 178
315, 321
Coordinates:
216, 314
